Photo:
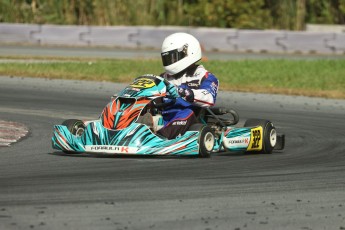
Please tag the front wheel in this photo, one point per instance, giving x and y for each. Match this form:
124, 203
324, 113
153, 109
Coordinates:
269, 134
76, 127
206, 142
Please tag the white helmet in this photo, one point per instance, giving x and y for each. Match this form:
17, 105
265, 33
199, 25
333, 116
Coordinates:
179, 51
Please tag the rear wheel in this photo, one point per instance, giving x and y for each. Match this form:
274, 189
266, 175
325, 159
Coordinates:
269, 134
206, 142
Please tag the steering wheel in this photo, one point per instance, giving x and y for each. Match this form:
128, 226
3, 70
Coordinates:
164, 104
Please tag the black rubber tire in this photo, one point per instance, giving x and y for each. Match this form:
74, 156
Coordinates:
74, 126
204, 150
268, 128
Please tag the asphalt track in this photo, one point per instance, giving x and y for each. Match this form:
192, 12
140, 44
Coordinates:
302, 187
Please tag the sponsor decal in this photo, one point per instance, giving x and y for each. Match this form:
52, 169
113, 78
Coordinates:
255, 139
214, 87
110, 149
197, 74
205, 92
184, 49
236, 142
193, 84
246, 141
179, 123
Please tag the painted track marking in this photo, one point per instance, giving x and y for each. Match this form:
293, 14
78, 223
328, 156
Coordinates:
11, 132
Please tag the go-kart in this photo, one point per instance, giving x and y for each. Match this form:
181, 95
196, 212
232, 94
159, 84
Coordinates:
123, 129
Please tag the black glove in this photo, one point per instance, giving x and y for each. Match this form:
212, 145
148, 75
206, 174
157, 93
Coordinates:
186, 94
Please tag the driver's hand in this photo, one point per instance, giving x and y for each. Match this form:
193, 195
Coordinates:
186, 94
172, 89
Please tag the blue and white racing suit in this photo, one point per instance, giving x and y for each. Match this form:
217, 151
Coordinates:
197, 87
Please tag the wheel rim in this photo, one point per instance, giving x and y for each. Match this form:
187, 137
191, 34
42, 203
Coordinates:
209, 141
79, 131
273, 137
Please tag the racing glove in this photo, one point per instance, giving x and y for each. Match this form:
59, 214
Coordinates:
171, 89
186, 94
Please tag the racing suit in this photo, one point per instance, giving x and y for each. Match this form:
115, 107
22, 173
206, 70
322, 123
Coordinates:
197, 87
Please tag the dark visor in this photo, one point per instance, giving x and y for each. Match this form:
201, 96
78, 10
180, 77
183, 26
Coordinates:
172, 56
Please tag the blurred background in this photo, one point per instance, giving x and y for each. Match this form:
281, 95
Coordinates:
253, 14
245, 43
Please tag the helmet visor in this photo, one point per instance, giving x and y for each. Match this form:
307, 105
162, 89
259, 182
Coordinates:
172, 56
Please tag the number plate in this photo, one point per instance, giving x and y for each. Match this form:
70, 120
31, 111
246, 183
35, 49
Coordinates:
143, 83
255, 139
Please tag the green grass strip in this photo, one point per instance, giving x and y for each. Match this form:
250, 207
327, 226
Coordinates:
325, 78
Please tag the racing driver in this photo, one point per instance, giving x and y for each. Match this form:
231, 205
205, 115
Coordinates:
195, 85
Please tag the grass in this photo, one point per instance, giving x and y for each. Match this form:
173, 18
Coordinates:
323, 78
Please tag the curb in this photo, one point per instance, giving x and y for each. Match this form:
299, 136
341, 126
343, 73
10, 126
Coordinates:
11, 132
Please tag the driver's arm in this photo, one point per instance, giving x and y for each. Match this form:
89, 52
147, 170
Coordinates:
206, 95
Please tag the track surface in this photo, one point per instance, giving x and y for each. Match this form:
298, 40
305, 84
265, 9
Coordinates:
300, 188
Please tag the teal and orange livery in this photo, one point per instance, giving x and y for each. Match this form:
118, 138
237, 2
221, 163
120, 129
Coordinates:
121, 112
135, 139
123, 129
